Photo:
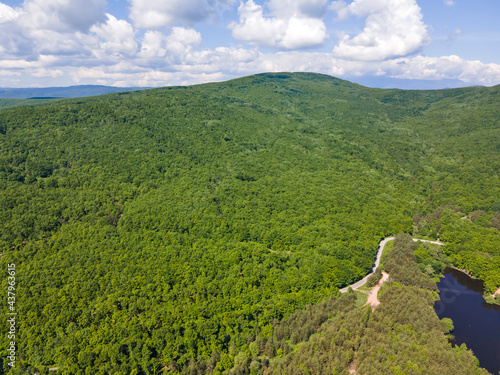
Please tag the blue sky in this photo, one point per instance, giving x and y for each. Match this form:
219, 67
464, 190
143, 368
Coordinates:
160, 43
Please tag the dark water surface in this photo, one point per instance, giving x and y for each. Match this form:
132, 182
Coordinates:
477, 323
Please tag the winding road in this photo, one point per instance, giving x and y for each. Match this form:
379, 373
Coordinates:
381, 246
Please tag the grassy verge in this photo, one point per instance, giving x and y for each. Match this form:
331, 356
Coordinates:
387, 249
361, 298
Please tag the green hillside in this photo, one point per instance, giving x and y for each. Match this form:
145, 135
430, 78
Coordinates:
402, 336
161, 228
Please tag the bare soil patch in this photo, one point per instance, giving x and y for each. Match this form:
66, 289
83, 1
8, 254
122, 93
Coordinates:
372, 297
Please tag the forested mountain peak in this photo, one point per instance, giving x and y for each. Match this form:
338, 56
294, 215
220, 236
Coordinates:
156, 228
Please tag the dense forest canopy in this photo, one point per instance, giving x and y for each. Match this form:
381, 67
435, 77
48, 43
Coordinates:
403, 336
155, 228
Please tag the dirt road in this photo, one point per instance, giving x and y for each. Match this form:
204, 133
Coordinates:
373, 296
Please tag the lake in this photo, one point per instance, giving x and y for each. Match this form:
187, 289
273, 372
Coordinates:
477, 323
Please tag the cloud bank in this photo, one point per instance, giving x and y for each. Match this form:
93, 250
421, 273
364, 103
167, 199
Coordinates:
393, 28
293, 24
151, 14
64, 42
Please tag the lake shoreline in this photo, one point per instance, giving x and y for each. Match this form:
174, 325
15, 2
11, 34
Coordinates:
488, 298
476, 323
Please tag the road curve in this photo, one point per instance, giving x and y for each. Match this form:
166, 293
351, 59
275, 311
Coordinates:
381, 246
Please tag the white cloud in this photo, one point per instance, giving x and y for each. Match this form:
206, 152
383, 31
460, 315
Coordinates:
159, 50
256, 29
117, 38
48, 42
198, 66
12, 40
341, 8
43, 73
9, 73
445, 67
302, 8
7, 13
393, 28
43, 60
294, 25
304, 32
294, 61
150, 14
61, 48
121, 78
221, 59
181, 41
63, 15
153, 45
450, 3
42, 27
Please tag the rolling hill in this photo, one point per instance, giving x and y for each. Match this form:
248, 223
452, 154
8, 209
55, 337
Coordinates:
175, 227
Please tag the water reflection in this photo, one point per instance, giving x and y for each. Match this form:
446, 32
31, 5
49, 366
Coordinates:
477, 323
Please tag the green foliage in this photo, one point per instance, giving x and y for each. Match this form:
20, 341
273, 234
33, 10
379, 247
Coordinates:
163, 228
447, 325
406, 338
4, 103
402, 267
472, 243
385, 253
374, 278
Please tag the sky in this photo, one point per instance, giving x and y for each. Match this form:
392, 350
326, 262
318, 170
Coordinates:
152, 43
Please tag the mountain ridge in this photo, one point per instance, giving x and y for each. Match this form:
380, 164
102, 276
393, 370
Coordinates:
178, 227
75, 91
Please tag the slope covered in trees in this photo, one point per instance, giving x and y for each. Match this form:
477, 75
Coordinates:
402, 336
155, 228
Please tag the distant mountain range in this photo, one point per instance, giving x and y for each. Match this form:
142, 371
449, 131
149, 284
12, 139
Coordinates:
408, 84
61, 92
93, 90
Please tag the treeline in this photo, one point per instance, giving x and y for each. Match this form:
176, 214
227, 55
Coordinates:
402, 267
472, 241
402, 336
258, 351
398, 338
